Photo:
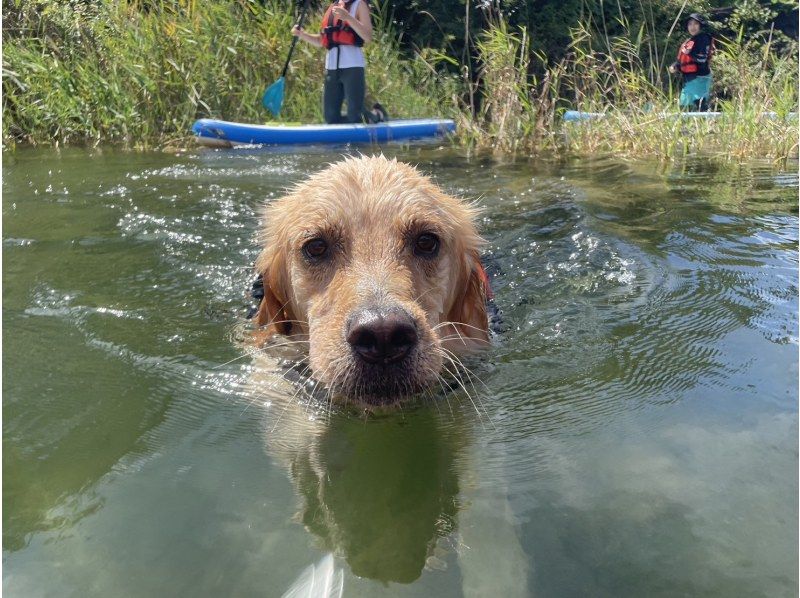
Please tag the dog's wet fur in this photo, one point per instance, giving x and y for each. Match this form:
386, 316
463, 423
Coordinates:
378, 271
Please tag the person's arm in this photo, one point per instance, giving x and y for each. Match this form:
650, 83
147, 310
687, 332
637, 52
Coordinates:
361, 24
312, 38
699, 50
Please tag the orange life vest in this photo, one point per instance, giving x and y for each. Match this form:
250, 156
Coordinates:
338, 33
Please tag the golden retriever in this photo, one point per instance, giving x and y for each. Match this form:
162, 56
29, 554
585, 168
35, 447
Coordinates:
378, 270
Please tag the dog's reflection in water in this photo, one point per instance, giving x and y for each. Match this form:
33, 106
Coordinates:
378, 491
381, 491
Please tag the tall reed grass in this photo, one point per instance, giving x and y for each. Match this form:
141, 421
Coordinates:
139, 72
756, 90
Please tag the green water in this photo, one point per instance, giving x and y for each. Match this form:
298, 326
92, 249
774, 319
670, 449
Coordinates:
636, 423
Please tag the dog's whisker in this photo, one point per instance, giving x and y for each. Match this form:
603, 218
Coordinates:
447, 397
275, 322
272, 320
477, 395
251, 400
461, 338
418, 297
319, 380
454, 373
283, 376
464, 387
441, 382
328, 399
280, 416
291, 400
294, 396
471, 376
285, 341
247, 353
457, 324
459, 363
466, 369
331, 388
301, 374
427, 397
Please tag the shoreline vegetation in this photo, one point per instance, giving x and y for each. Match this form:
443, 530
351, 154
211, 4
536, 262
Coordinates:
139, 73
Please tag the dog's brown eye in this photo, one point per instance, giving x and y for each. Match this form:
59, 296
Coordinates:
315, 249
427, 245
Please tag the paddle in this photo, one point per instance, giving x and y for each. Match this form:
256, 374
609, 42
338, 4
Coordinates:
273, 96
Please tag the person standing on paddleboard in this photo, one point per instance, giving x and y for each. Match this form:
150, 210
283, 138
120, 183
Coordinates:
346, 27
694, 58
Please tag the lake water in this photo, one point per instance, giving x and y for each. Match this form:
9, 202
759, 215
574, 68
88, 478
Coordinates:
636, 429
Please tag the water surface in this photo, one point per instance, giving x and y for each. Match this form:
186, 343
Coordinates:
634, 430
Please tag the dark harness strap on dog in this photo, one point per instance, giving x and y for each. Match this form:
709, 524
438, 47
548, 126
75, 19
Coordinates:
495, 317
493, 312
257, 294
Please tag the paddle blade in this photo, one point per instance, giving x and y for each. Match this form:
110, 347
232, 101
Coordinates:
273, 97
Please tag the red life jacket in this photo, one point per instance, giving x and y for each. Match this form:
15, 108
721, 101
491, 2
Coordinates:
338, 33
688, 65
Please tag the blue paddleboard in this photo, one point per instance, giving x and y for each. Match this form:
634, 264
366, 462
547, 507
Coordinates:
220, 133
579, 116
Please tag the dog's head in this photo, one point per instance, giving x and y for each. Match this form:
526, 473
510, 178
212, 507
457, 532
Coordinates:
379, 270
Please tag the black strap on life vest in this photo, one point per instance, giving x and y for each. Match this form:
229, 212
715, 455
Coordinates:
332, 28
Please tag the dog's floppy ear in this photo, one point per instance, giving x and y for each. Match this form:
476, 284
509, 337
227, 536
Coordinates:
274, 310
468, 311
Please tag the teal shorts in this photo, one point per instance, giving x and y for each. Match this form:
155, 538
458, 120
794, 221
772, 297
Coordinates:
696, 90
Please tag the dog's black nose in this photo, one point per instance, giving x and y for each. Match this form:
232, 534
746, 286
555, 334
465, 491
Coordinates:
379, 336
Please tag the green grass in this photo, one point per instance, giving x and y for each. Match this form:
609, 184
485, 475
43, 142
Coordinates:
114, 71
521, 112
122, 71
